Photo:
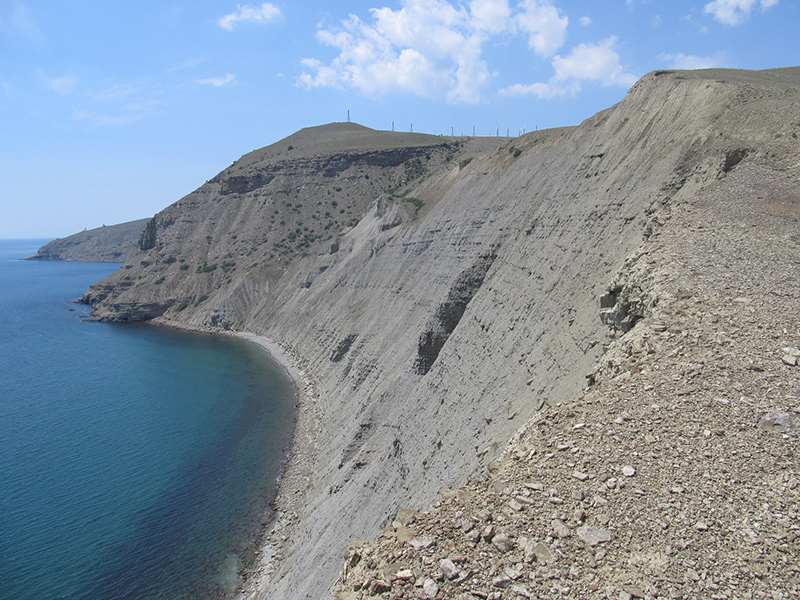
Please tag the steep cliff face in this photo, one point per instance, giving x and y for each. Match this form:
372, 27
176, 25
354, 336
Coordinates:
438, 292
112, 243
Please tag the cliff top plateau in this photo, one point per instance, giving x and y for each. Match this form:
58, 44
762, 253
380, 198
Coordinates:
560, 365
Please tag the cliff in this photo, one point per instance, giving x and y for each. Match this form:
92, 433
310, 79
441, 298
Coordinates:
438, 292
112, 243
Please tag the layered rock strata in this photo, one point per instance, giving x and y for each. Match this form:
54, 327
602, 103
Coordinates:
439, 292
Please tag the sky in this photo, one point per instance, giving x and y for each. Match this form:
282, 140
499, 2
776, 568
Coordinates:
111, 111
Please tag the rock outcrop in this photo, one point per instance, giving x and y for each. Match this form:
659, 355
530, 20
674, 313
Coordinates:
439, 292
109, 243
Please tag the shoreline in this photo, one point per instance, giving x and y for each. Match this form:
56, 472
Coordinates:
281, 518
275, 541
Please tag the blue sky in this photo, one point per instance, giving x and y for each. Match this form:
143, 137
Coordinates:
110, 111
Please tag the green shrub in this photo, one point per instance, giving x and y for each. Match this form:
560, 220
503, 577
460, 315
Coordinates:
183, 267
206, 268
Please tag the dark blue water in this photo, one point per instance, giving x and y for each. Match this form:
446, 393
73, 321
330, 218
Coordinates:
135, 462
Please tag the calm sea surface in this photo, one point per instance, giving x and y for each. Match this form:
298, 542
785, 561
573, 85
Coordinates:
135, 462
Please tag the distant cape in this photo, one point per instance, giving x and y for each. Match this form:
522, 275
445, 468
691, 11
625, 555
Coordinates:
112, 243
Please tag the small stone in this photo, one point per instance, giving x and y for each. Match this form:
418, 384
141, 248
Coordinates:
623, 595
502, 542
448, 568
520, 590
628, 471
488, 533
422, 542
634, 591
580, 476
513, 573
543, 553
611, 483
701, 526
429, 589
560, 529
789, 360
514, 505
779, 422
555, 500
474, 536
404, 575
593, 535
502, 581
404, 534
378, 586
650, 439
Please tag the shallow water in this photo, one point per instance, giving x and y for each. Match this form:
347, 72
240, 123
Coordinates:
135, 462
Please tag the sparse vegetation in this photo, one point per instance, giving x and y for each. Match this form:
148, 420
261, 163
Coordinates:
206, 268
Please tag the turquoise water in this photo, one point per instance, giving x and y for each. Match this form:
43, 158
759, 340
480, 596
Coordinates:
135, 462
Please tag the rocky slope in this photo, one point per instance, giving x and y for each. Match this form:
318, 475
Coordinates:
111, 243
439, 292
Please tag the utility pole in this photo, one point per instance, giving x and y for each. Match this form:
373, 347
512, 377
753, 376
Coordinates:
411, 129
348, 115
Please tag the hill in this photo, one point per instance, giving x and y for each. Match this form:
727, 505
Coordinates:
109, 243
598, 323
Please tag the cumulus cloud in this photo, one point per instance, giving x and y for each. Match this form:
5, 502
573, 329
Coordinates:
544, 25
431, 48
690, 61
734, 12
587, 62
218, 81
250, 14
585, 21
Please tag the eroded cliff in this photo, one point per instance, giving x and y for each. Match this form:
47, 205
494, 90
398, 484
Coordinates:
439, 292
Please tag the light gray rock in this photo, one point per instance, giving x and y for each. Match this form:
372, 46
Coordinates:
593, 535
502, 542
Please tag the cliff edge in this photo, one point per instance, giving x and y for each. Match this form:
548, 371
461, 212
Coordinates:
439, 292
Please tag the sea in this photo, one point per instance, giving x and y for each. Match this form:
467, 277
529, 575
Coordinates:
135, 461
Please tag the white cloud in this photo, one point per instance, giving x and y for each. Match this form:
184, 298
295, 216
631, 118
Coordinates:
64, 85
690, 61
431, 48
544, 24
218, 81
586, 62
734, 12
585, 21
250, 14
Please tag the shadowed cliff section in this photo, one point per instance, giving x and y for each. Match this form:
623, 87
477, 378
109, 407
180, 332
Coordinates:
438, 303
109, 243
